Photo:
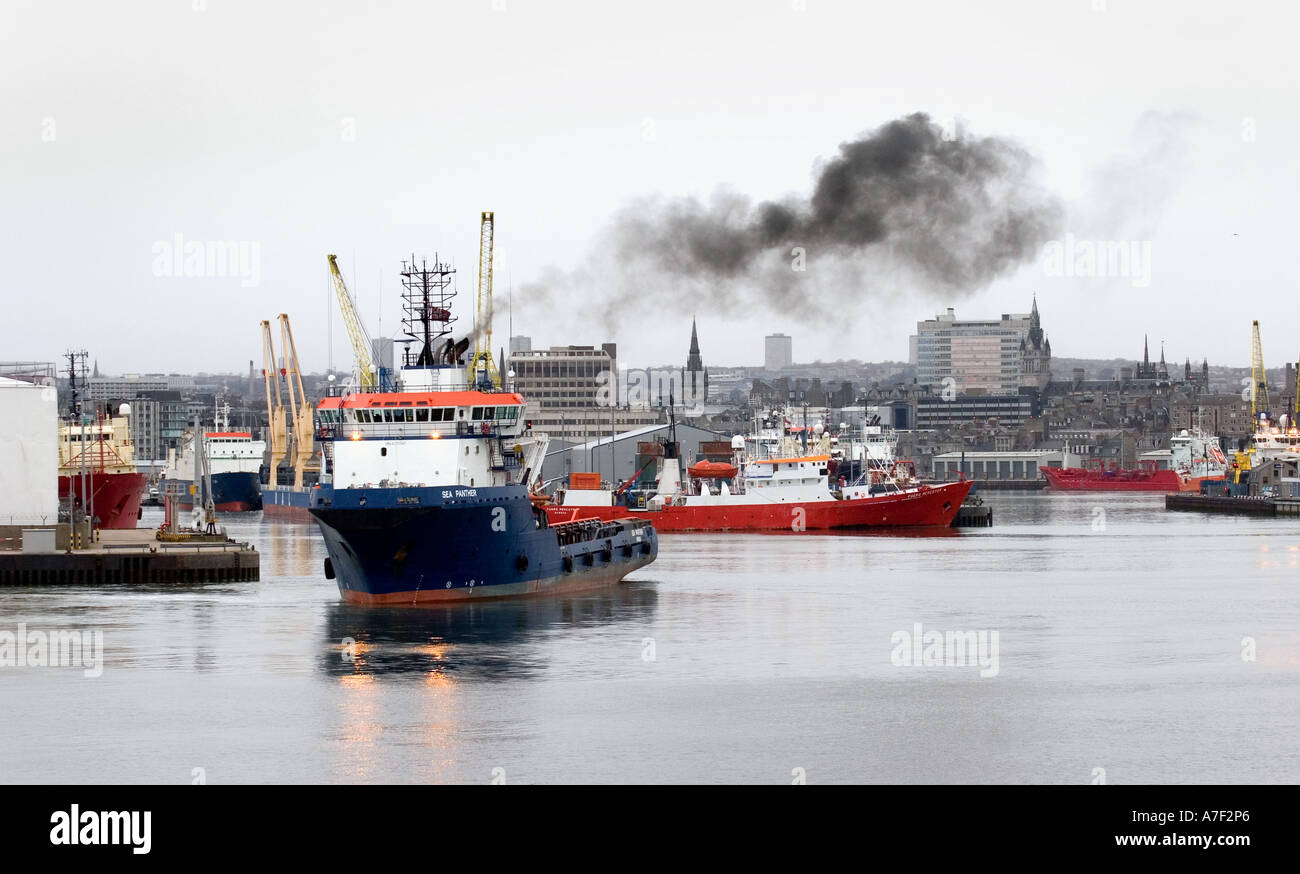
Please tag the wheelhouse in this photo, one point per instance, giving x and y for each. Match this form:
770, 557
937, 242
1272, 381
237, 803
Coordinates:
421, 414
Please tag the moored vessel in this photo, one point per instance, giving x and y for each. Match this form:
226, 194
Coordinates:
1194, 458
97, 477
97, 472
234, 459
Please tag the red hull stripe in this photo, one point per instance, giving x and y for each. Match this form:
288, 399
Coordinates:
227, 507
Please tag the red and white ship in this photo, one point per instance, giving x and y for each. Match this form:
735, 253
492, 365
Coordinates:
97, 472
790, 493
1194, 458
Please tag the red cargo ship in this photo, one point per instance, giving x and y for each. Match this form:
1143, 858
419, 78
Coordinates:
1193, 458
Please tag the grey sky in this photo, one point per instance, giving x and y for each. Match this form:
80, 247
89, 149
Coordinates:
375, 130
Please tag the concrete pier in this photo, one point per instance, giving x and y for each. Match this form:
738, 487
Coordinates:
973, 514
134, 557
1234, 506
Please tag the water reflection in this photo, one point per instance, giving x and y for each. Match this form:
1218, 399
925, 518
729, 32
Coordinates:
491, 640
295, 549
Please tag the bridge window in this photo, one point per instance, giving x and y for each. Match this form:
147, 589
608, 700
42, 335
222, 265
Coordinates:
422, 414
477, 413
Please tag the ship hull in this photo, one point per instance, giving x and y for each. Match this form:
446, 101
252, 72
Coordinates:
1075, 479
931, 506
287, 503
422, 545
114, 497
232, 492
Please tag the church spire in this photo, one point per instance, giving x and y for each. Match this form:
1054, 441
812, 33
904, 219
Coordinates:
693, 360
1035, 326
695, 382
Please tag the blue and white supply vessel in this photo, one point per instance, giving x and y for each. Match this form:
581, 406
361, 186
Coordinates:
431, 498
234, 458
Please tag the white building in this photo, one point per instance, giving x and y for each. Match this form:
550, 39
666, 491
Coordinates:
573, 392
993, 357
778, 352
108, 388
29, 453
1011, 466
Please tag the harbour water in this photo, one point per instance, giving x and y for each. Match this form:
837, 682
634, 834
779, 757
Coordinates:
1134, 645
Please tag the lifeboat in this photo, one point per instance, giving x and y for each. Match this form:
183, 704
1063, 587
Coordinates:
712, 470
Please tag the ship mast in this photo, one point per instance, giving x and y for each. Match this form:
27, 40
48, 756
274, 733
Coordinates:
426, 312
77, 376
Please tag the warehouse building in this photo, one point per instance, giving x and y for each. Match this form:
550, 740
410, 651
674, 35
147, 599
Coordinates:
616, 459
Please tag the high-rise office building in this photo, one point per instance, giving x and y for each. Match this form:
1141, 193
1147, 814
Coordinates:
983, 356
778, 352
572, 391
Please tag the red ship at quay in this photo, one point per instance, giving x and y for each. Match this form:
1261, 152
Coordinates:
772, 494
97, 471
1193, 458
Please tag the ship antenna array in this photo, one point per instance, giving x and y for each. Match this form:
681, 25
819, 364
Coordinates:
77, 380
426, 310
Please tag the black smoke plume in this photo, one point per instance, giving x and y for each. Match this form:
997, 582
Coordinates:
905, 208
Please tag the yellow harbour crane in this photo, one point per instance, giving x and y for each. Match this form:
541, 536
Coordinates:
274, 404
356, 330
483, 308
1258, 380
301, 413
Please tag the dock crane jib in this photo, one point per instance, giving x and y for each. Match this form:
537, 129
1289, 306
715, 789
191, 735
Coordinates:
1259, 403
367, 376
301, 413
482, 368
274, 404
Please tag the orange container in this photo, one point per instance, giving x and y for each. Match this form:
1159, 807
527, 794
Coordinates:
584, 481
